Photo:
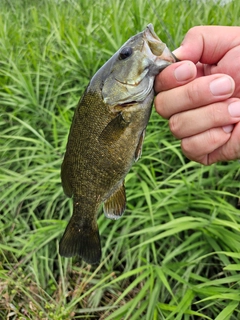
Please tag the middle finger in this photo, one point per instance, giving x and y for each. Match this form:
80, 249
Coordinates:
195, 121
199, 92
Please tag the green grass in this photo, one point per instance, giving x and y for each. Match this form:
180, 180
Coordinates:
175, 254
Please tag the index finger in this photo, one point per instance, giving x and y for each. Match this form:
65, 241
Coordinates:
175, 75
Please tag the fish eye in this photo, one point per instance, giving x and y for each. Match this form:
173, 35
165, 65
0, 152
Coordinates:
125, 53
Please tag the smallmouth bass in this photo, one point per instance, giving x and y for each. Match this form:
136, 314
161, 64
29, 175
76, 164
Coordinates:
106, 137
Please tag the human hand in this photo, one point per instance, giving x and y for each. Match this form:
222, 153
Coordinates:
201, 96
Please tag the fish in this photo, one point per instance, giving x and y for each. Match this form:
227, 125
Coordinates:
106, 138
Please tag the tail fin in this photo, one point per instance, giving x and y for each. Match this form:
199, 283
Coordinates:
82, 240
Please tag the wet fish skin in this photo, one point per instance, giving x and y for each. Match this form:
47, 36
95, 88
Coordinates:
106, 138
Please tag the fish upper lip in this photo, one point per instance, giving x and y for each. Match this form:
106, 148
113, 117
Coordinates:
156, 46
151, 30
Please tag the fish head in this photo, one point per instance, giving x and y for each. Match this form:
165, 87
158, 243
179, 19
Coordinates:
128, 76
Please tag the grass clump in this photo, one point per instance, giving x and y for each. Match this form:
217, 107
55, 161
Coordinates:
175, 253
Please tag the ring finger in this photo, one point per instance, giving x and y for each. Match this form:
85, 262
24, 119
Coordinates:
195, 121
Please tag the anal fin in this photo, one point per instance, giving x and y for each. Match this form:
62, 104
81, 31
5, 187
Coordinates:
115, 205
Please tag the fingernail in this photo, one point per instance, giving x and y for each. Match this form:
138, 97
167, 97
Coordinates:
228, 128
222, 86
177, 52
184, 72
234, 109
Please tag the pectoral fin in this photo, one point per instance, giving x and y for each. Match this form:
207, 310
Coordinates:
115, 205
138, 151
114, 130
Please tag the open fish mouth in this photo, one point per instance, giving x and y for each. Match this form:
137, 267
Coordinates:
138, 62
154, 50
157, 47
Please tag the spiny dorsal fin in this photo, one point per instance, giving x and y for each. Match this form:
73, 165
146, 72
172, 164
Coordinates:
115, 205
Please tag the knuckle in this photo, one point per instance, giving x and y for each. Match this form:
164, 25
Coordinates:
186, 147
160, 105
193, 93
194, 30
212, 114
174, 125
216, 114
233, 153
190, 150
214, 138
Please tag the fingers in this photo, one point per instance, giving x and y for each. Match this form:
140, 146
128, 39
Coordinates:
211, 133
195, 121
196, 96
199, 92
200, 147
175, 75
213, 145
202, 43
205, 132
228, 151
201, 113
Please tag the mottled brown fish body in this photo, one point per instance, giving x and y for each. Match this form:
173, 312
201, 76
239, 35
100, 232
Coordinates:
106, 138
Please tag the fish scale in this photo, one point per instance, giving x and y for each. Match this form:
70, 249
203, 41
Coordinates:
106, 138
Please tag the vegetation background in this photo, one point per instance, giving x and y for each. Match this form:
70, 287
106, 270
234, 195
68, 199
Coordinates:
175, 254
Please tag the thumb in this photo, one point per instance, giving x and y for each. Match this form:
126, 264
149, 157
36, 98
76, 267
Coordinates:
207, 44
